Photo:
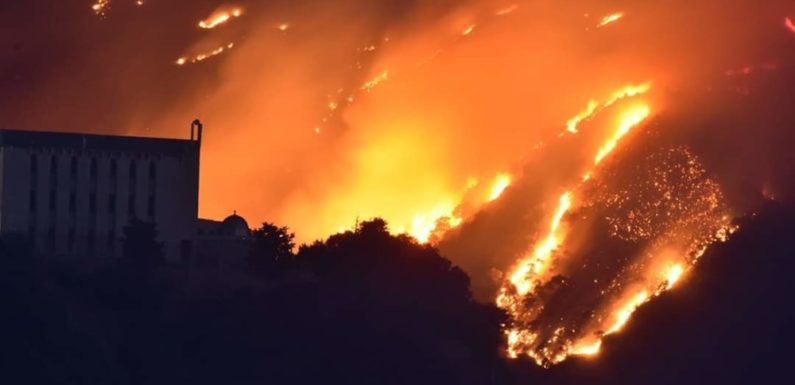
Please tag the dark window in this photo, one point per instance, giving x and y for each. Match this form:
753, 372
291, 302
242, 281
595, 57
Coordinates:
91, 242
113, 174
32, 201
52, 202
131, 206
53, 172
71, 239
73, 174
131, 209
151, 207
34, 167
112, 242
51, 238
93, 174
92, 203
112, 203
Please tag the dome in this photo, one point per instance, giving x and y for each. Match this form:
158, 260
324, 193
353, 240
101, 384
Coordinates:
234, 225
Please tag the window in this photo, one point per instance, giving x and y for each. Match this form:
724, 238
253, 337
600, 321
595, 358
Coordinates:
133, 186
152, 189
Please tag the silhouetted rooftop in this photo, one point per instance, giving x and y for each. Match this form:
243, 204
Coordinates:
79, 141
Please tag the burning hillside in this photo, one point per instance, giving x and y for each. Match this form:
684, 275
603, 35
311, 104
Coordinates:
576, 158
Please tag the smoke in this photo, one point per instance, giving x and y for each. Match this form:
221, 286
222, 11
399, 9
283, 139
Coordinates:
322, 113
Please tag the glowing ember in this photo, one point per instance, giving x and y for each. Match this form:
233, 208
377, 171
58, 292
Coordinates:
468, 30
789, 24
623, 314
610, 19
100, 7
507, 11
283, 27
220, 17
374, 82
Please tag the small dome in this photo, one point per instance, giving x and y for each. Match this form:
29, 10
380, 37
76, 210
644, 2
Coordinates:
234, 225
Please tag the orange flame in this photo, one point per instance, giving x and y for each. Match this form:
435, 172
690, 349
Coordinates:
610, 19
220, 17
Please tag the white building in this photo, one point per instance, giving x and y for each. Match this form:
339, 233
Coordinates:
72, 194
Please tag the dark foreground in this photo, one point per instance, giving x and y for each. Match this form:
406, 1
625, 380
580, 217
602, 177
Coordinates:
368, 308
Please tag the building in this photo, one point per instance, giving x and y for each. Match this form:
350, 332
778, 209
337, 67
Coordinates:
223, 244
72, 194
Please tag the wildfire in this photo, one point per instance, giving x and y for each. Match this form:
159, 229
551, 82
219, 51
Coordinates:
609, 19
595, 107
220, 17
531, 266
204, 56
631, 119
500, 184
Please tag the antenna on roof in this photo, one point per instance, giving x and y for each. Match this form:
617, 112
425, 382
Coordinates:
196, 130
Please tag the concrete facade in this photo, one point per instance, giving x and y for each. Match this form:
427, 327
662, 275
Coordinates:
72, 194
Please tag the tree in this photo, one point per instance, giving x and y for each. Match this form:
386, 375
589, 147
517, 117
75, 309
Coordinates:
271, 247
140, 246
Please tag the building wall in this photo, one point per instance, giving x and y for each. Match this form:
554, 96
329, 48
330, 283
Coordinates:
76, 202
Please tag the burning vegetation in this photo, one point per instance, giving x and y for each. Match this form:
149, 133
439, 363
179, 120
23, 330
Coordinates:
569, 156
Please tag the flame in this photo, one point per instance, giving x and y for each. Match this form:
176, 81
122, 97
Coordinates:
374, 82
500, 184
283, 27
673, 275
610, 19
630, 119
623, 314
595, 106
590, 349
203, 56
468, 30
538, 260
220, 17
100, 7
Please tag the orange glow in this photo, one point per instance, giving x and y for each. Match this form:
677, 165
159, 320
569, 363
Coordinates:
534, 264
374, 82
630, 119
469, 30
610, 19
623, 314
673, 275
203, 56
591, 349
220, 17
789, 24
507, 10
500, 184
100, 7
595, 106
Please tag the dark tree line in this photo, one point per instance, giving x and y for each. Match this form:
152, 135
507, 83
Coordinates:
362, 307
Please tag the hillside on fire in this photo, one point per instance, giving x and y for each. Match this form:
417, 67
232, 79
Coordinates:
442, 191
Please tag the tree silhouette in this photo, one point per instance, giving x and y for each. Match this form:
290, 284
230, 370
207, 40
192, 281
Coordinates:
271, 248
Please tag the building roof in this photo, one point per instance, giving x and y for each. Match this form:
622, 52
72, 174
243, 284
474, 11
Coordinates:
83, 142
